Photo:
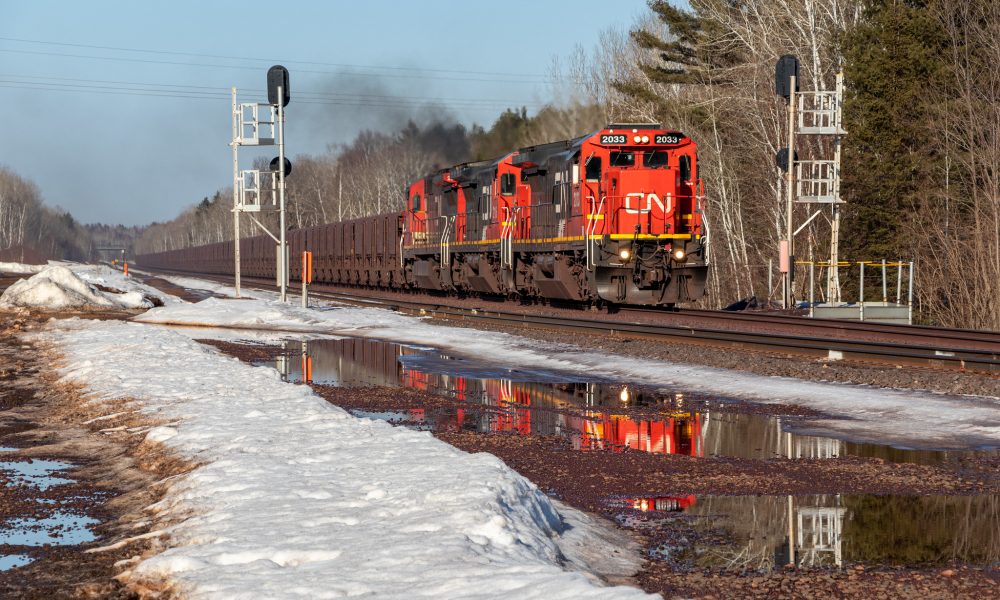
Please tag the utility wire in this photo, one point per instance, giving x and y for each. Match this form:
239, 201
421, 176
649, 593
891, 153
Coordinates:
256, 68
219, 97
19, 78
296, 61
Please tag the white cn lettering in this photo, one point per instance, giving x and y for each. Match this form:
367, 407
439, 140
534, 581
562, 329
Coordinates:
651, 199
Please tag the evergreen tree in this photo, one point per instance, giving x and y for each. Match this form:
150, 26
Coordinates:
896, 59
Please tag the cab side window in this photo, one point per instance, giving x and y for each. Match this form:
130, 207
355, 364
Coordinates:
416, 202
685, 166
593, 169
508, 184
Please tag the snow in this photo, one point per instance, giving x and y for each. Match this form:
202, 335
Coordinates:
220, 289
904, 418
295, 498
60, 287
19, 268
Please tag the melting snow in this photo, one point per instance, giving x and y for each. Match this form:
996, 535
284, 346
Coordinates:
19, 268
61, 287
297, 498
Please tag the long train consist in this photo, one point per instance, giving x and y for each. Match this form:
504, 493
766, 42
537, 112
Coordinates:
614, 216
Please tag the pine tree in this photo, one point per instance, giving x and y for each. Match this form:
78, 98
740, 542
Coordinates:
894, 58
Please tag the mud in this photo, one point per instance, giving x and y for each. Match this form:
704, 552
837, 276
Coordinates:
76, 533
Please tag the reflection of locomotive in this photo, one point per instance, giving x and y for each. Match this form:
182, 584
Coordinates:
613, 216
662, 503
590, 414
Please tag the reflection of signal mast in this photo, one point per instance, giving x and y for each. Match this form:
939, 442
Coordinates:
820, 531
816, 532
803, 446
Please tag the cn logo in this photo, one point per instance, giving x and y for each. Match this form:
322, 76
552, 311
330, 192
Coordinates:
651, 199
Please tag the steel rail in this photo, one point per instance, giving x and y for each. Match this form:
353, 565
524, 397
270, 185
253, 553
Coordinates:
928, 331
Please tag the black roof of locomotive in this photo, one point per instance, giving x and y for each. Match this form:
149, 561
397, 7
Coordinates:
540, 155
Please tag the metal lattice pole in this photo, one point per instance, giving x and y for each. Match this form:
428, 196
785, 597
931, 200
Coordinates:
236, 194
790, 200
283, 244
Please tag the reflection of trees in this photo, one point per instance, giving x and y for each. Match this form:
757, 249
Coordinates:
829, 529
757, 526
920, 529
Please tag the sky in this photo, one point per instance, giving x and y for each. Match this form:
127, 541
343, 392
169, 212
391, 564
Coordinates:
120, 111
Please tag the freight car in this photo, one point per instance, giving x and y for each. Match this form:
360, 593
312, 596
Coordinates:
610, 217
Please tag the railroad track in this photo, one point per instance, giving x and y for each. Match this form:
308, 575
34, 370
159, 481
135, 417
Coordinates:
901, 345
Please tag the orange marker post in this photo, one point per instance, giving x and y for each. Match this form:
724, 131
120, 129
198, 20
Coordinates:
126, 268
307, 276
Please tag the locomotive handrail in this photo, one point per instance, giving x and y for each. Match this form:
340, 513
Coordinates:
507, 237
445, 242
590, 228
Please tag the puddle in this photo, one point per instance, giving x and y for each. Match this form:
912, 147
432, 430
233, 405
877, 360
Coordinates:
592, 414
59, 529
10, 561
760, 533
36, 473
49, 524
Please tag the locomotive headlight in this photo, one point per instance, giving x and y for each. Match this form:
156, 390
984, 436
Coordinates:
679, 254
637, 139
624, 254
645, 139
624, 395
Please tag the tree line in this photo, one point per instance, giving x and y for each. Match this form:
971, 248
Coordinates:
921, 160
29, 230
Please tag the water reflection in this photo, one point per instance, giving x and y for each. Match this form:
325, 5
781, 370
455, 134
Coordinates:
760, 533
593, 414
59, 529
37, 473
11, 561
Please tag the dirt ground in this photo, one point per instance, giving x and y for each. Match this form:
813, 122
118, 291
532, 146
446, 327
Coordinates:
116, 475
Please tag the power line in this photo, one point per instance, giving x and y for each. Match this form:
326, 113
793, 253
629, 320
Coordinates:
256, 68
225, 90
290, 61
219, 96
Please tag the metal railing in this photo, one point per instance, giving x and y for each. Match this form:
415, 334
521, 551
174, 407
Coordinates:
883, 267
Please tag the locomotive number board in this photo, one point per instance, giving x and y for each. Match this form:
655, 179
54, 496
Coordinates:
668, 138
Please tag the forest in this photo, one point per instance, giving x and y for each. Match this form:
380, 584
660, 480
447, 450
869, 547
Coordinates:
921, 157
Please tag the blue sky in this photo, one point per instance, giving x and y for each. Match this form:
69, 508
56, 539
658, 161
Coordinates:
119, 111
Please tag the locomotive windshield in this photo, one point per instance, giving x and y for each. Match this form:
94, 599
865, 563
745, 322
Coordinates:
623, 159
655, 160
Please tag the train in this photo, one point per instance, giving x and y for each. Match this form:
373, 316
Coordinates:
612, 217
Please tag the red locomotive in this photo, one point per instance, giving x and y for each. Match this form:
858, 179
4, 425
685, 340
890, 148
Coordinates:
613, 217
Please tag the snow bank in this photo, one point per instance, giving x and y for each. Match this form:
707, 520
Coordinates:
19, 268
105, 276
298, 499
60, 287
220, 289
904, 418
